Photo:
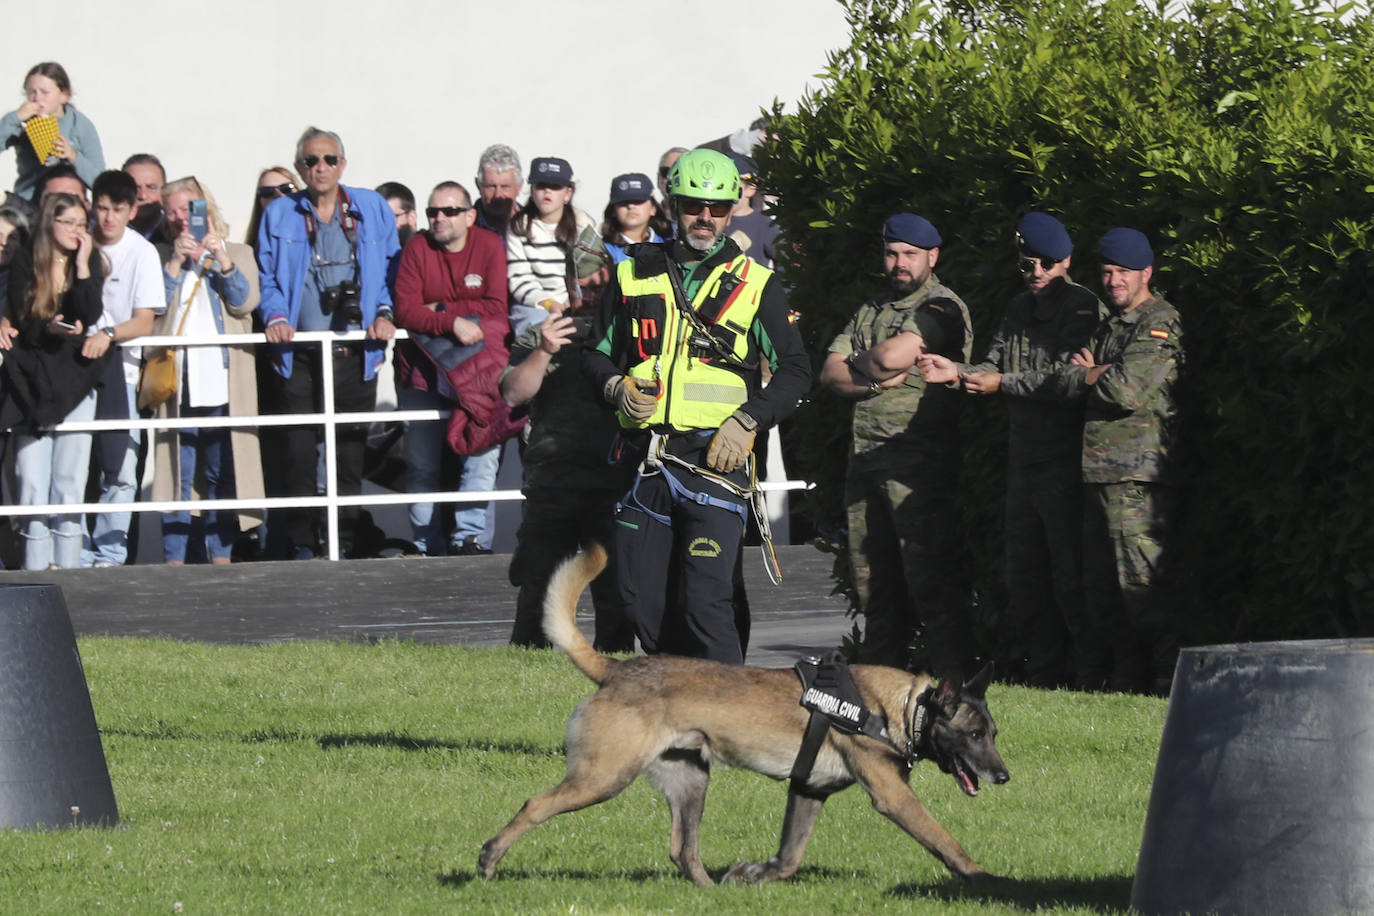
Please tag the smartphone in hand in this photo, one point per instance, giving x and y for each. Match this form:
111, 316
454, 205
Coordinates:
197, 220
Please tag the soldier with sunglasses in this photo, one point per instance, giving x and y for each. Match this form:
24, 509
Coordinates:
1042, 328
324, 255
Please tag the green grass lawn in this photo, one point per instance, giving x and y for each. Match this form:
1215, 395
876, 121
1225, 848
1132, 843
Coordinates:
311, 778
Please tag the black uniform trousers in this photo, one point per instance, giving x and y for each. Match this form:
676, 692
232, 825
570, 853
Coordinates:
556, 522
675, 514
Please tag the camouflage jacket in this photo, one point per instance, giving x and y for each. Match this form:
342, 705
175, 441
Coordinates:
912, 417
1032, 350
1128, 415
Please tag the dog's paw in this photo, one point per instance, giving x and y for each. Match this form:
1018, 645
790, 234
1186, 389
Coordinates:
745, 873
987, 879
487, 859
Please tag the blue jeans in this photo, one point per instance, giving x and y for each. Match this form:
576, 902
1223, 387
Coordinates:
425, 442
53, 469
205, 452
117, 461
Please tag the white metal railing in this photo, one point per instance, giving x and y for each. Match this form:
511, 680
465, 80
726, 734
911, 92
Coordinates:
331, 501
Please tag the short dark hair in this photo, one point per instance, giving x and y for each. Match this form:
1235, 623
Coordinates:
118, 186
61, 170
146, 159
394, 190
454, 186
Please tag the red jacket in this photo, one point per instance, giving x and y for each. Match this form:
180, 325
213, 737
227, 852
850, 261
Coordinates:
470, 283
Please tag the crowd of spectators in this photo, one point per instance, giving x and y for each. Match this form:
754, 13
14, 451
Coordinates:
91, 258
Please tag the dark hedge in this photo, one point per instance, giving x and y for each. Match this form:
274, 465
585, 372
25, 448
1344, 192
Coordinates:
1240, 140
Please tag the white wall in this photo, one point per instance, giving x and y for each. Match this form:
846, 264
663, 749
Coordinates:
417, 89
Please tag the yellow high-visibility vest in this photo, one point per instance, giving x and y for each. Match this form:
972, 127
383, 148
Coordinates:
697, 388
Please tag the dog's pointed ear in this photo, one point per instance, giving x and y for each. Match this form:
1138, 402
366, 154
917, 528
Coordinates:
947, 695
978, 685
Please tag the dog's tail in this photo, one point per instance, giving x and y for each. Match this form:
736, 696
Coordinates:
560, 610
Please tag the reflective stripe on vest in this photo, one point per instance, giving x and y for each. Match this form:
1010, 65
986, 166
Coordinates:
694, 392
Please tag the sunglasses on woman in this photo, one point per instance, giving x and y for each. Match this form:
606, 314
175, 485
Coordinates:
718, 208
272, 191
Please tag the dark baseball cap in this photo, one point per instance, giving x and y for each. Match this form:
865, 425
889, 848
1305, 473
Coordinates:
632, 186
748, 168
551, 170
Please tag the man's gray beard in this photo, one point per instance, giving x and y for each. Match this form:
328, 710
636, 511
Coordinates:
685, 237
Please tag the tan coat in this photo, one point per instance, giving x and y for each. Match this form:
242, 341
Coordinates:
243, 401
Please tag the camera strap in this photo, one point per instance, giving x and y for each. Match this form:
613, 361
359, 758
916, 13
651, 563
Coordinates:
347, 221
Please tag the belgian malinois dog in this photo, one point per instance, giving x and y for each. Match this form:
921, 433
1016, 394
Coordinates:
672, 717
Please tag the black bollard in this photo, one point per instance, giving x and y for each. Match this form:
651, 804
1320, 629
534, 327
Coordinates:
1263, 795
52, 765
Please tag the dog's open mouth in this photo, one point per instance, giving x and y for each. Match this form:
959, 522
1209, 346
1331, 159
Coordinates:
966, 778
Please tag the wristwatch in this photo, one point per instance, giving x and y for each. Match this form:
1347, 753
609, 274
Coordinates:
110, 333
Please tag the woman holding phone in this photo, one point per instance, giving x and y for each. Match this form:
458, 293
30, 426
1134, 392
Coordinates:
54, 297
212, 288
48, 94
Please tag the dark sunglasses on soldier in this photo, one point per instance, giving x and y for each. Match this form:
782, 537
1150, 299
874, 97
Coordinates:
718, 208
330, 160
1027, 265
272, 191
432, 212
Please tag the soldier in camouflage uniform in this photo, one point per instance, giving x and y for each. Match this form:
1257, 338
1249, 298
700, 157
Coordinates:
1043, 328
1127, 378
570, 485
904, 466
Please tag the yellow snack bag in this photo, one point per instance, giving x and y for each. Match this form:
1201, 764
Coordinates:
42, 131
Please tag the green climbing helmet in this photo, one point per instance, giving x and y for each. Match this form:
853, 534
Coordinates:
704, 174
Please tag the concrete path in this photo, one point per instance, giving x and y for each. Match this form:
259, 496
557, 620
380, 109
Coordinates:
451, 601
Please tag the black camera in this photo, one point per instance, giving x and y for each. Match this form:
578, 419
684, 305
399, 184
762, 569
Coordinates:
346, 298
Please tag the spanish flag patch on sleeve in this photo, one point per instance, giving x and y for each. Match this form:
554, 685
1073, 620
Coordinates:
1159, 334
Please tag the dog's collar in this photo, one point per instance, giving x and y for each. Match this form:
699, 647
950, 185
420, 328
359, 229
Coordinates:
916, 713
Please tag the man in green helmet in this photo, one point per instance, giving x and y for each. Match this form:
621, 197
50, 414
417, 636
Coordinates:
682, 335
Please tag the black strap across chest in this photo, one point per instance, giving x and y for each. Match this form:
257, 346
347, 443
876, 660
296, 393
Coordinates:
828, 691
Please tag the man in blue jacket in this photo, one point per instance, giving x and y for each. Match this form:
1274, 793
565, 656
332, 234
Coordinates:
324, 255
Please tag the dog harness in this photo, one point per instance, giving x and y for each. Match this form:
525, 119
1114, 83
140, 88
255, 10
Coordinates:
828, 691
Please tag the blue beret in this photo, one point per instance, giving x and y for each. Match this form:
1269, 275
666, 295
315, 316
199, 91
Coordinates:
1126, 248
912, 229
1043, 235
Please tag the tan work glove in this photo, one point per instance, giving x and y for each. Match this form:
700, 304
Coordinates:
630, 398
731, 444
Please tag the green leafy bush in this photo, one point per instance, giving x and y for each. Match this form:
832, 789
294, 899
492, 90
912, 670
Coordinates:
1241, 139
